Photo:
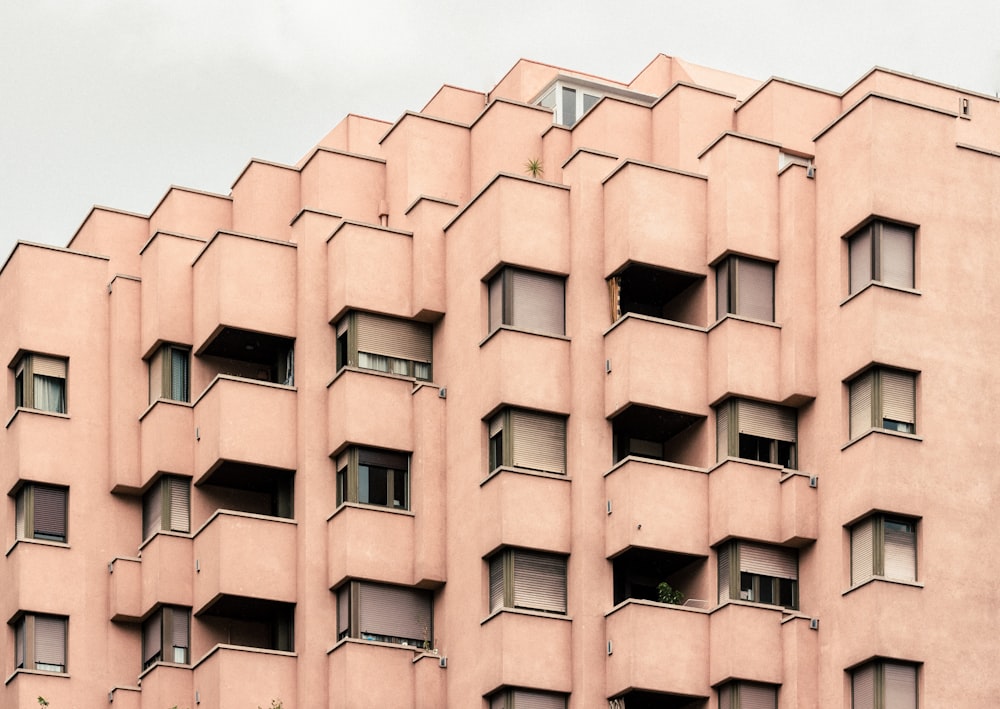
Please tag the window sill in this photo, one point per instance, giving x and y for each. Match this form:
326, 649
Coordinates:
879, 284
370, 508
757, 463
753, 604
883, 579
509, 328
166, 402
43, 673
418, 652
654, 461
649, 318
742, 318
39, 542
525, 611
163, 663
417, 383
884, 432
523, 471
37, 412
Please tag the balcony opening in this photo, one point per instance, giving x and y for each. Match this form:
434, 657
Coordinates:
250, 622
251, 355
658, 293
659, 434
637, 699
638, 574
256, 489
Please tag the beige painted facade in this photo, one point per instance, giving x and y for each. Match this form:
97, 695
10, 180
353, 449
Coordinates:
403, 425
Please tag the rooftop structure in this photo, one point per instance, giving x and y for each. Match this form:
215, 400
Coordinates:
570, 394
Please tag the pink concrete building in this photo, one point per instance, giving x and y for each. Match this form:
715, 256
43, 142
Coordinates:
671, 421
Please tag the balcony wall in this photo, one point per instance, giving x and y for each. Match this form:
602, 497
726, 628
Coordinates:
744, 358
525, 510
746, 643
370, 543
194, 212
23, 689
167, 571
525, 369
241, 554
247, 421
759, 501
230, 677
656, 506
882, 325
165, 686
364, 675
167, 286
491, 230
657, 648
125, 589
518, 643
878, 472
370, 268
33, 577
244, 282
167, 440
265, 199
896, 606
655, 363
372, 409
504, 136
344, 183
685, 121
601, 129
655, 216
37, 447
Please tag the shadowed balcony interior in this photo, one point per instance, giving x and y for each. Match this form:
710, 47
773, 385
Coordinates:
638, 572
257, 489
656, 292
251, 355
637, 699
251, 622
649, 432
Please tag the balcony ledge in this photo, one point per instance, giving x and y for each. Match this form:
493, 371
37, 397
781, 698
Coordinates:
883, 579
524, 611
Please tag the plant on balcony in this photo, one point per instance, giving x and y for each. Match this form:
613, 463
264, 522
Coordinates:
43, 702
275, 704
534, 168
666, 593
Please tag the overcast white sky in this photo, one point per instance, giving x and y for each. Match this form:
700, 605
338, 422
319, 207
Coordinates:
111, 101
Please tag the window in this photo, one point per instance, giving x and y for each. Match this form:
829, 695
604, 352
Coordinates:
744, 287
527, 439
884, 685
372, 476
384, 344
169, 374
748, 695
166, 506
166, 636
40, 383
883, 546
40, 512
40, 642
531, 580
883, 398
758, 573
756, 431
526, 699
527, 300
881, 252
384, 613
568, 104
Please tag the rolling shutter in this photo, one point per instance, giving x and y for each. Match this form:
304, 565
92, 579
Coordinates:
496, 582
896, 255
900, 552
152, 634
50, 641
538, 302
724, 574
757, 696
539, 581
496, 301
898, 396
343, 610
152, 510
179, 630
48, 366
523, 699
863, 688
179, 374
180, 504
722, 289
861, 404
50, 512
862, 549
19, 516
900, 686
538, 441
768, 561
755, 289
393, 337
766, 420
394, 611
722, 432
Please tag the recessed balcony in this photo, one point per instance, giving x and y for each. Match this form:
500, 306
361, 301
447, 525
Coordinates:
231, 677
656, 506
642, 633
761, 501
244, 420
658, 434
525, 509
656, 363
244, 555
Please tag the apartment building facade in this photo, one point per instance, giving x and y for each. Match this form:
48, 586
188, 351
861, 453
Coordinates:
569, 394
